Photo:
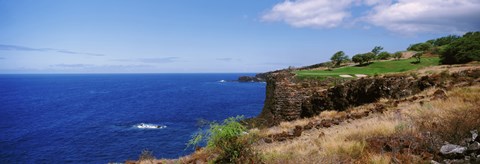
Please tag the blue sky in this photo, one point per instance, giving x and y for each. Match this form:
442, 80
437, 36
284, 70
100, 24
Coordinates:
180, 36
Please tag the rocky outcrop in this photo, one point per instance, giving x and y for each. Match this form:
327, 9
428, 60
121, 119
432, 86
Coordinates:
261, 77
284, 97
468, 152
289, 98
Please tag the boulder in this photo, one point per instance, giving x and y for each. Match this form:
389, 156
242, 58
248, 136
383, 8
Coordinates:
297, 132
475, 146
453, 151
440, 94
308, 126
249, 79
475, 135
268, 140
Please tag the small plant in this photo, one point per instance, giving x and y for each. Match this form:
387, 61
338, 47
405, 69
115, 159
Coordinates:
401, 127
414, 75
146, 156
229, 139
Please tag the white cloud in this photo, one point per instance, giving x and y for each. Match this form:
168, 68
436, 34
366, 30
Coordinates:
401, 16
310, 13
410, 16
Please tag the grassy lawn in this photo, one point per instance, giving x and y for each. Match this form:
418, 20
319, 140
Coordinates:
374, 68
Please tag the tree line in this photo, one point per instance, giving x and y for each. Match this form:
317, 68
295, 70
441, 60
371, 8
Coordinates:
452, 49
364, 58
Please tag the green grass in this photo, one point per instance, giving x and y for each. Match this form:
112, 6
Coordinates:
372, 69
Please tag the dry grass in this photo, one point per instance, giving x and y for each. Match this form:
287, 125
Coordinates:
379, 159
450, 119
346, 143
450, 69
342, 143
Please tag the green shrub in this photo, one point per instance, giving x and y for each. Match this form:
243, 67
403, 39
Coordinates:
230, 140
462, 50
384, 55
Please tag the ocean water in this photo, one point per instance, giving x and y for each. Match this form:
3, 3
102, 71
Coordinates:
97, 118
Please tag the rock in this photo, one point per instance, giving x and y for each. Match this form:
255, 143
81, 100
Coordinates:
297, 132
249, 79
321, 134
452, 151
379, 108
268, 140
289, 98
308, 126
454, 161
326, 123
261, 77
434, 162
475, 146
414, 98
440, 94
336, 122
357, 115
475, 135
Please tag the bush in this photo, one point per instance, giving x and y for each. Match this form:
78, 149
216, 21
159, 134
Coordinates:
420, 47
384, 55
444, 40
363, 58
397, 55
358, 58
462, 50
229, 140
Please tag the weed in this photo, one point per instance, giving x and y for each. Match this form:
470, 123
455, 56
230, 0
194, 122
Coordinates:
146, 156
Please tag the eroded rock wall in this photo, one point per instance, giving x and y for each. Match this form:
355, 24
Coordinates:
288, 98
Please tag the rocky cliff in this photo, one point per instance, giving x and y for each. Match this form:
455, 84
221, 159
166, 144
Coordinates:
289, 98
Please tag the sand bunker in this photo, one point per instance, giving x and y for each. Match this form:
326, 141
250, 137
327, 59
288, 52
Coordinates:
346, 76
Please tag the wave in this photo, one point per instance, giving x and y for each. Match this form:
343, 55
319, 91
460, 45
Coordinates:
222, 81
149, 126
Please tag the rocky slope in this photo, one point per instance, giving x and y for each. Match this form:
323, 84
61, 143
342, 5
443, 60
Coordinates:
288, 98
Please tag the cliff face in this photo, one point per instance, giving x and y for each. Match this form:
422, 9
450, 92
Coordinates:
288, 98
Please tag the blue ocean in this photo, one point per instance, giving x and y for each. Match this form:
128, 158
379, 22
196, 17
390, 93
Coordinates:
101, 118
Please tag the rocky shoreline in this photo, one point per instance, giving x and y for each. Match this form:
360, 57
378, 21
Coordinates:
288, 98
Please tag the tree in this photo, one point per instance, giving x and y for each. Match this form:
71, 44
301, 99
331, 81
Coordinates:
418, 56
368, 57
462, 50
397, 55
376, 50
420, 47
363, 58
358, 58
383, 55
338, 58
443, 40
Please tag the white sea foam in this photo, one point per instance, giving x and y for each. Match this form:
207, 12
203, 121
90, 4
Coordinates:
150, 126
222, 81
